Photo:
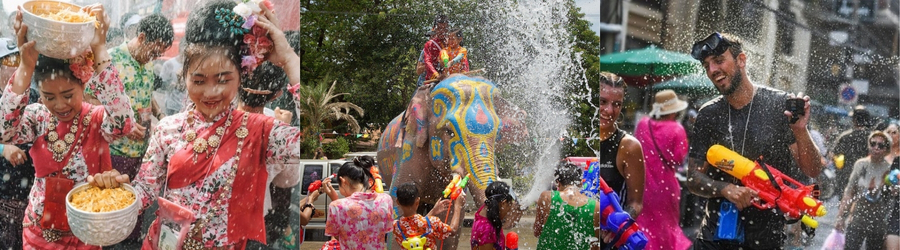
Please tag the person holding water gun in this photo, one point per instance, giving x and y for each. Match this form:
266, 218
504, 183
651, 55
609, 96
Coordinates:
455, 58
866, 195
754, 121
416, 232
565, 212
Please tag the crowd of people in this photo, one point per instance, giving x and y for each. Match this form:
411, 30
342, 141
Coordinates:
88, 120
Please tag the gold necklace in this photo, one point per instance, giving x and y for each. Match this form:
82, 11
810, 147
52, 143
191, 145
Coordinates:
58, 147
200, 145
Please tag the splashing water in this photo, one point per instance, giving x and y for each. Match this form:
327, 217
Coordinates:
531, 58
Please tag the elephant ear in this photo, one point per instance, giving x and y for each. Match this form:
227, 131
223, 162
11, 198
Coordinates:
512, 127
418, 115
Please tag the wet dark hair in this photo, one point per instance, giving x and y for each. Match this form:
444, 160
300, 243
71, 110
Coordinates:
114, 34
440, 19
266, 77
568, 174
204, 36
156, 28
357, 170
496, 193
407, 194
737, 47
48, 68
612, 80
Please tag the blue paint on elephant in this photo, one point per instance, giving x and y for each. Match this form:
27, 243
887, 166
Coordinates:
437, 148
479, 122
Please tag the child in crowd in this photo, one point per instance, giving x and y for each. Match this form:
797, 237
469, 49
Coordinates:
412, 225
361, 220
566, 219
487, 230
455, 58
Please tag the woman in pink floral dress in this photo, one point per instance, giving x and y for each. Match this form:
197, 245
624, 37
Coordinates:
71, 137
212, 161
361, 220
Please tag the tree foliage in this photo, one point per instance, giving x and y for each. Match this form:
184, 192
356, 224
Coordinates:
370, 48
319, 104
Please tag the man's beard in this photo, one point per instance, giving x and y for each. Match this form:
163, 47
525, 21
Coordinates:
736, 82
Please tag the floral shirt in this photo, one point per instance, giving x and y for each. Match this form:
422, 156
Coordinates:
360, 221
21, 127
168, 138
416, 225
138, 81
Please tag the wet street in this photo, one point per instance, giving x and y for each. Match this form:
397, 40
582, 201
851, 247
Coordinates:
528, 241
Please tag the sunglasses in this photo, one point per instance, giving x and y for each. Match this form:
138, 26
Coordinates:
878, 145
714, 44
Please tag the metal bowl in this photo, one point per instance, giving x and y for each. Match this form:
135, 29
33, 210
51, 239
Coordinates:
61, 40
106, 228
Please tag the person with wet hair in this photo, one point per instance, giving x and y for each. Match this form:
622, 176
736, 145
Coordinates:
565, 218
755, 122
621, 156
265, 84
487, 229
133, 59
361, 220
212, 160
893, 130
70, 137
866, 203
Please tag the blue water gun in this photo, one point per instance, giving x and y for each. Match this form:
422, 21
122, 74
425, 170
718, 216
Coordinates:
590, 179
612, 218
892, 178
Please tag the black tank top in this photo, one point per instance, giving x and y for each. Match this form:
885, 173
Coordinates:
609, 148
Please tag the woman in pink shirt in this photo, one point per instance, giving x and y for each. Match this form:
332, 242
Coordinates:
665, 145
361, 220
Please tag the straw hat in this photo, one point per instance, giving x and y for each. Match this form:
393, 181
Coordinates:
667, 102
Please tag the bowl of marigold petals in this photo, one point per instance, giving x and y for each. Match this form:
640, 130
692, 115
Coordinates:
102, 216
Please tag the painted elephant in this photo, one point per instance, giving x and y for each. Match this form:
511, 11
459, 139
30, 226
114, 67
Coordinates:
450, 127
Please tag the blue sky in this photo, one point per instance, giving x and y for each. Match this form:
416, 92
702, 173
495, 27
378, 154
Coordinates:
591, 10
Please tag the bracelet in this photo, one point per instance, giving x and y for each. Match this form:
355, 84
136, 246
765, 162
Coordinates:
97, 64
308, 205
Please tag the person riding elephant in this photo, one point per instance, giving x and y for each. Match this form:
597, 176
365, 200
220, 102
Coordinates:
452, 127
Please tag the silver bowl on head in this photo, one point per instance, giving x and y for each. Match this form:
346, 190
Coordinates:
106, 228
61, 40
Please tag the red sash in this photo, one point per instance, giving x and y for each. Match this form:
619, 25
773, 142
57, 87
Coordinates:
245, 208
95, 150
94, 147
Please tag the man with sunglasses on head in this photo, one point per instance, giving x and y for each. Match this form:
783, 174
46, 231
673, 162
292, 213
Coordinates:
753, 121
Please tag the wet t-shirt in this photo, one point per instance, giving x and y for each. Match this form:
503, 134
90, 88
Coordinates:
768, 134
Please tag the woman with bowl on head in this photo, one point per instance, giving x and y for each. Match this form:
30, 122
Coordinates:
71, 137
211, 162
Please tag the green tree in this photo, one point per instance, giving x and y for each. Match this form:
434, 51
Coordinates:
320, 104
585, 96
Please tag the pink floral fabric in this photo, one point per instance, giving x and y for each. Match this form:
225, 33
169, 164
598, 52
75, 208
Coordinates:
23, 124
168, 137
360, 221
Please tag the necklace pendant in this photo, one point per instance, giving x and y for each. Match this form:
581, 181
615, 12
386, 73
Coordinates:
73, 128
52, 136
242, 132
200, 145
69, 138
190, 135
213, 141
59, 147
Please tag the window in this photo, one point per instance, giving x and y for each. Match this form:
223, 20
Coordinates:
311, 173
